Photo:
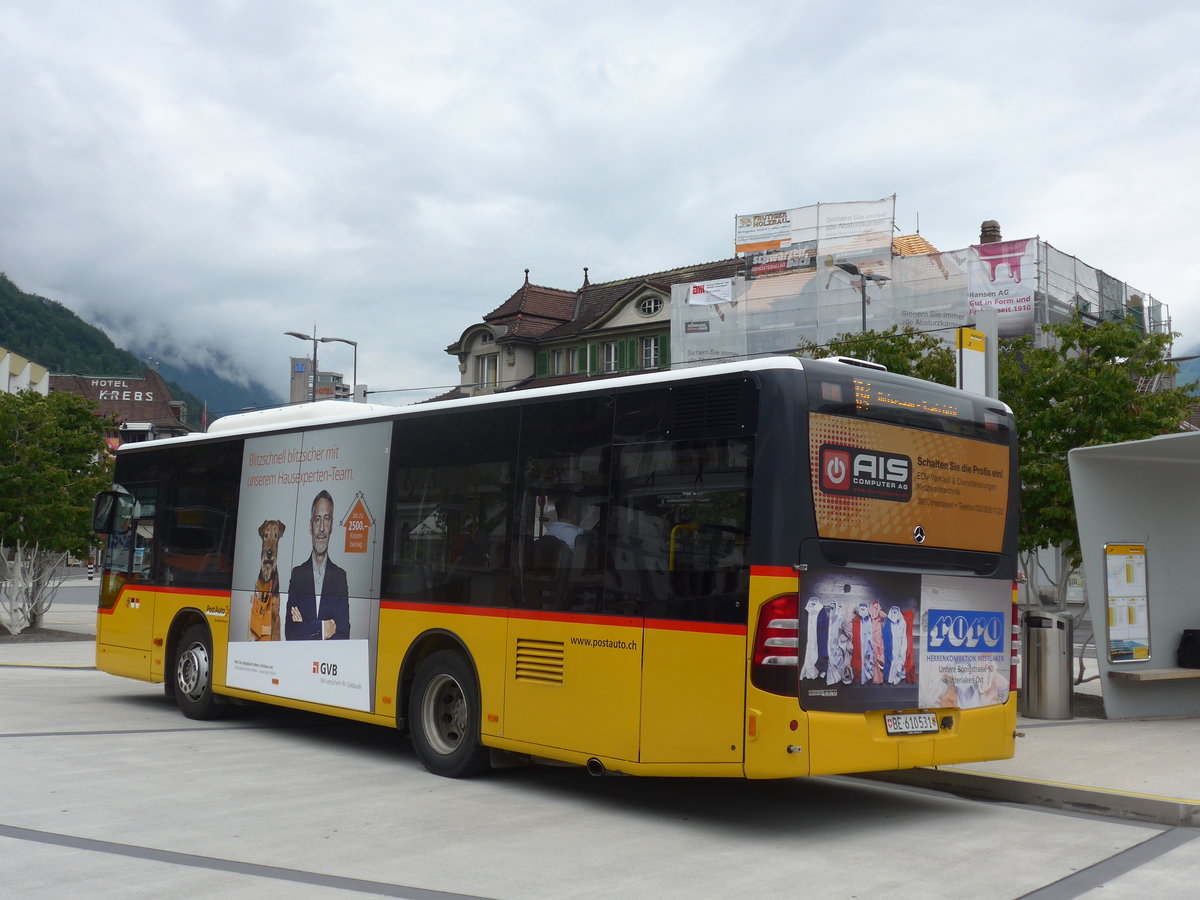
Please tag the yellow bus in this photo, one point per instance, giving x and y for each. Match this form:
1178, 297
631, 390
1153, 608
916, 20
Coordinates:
769, 569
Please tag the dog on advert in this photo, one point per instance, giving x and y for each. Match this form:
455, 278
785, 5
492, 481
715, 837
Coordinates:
264, 608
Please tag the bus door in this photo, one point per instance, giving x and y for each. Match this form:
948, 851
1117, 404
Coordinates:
574, 652
574, 656
127, 578
678, 545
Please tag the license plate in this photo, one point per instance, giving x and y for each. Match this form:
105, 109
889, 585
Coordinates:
911, 723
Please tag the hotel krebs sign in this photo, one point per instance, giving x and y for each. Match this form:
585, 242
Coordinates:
119, 389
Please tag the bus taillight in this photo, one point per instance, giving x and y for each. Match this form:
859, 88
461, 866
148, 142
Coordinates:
776, 658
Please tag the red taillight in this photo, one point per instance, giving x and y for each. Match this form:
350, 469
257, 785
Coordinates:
776, 655
1015, 647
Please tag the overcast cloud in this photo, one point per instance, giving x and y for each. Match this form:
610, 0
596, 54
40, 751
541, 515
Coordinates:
199, 177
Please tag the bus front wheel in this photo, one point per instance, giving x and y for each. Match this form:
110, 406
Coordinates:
443, 716
191, 676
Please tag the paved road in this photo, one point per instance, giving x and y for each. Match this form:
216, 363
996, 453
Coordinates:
107, 791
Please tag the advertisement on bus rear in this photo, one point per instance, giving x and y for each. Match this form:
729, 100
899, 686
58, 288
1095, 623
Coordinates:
884, 483
307, 565
896, 640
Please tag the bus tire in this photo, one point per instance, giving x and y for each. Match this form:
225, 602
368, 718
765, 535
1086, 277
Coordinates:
191, 674
444, 716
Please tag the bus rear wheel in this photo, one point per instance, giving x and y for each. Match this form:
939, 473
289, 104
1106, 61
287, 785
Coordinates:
191, 675
444, 716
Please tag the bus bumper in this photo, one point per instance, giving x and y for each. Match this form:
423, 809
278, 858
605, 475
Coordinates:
787, 742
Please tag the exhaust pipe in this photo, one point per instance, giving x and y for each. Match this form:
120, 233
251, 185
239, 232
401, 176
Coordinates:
595, 767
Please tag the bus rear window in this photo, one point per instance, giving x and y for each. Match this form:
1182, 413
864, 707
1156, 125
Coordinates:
865, 394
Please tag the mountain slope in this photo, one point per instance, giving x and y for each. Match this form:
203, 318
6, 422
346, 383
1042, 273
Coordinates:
48, 333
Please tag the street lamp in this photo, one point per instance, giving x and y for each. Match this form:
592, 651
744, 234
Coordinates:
863, 278
354, 344
309, 337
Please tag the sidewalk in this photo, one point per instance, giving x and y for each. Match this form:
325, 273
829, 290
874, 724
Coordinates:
58, 653
1140, 769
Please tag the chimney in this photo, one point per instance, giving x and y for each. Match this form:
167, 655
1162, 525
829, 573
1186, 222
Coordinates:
989, 232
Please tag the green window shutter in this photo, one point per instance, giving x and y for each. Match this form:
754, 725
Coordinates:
541, 364
664, 351
593, 359
632, 360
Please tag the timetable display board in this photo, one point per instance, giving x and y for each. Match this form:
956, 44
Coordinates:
1127, 603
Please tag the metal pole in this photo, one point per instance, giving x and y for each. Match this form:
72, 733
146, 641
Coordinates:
314, 371
862, 287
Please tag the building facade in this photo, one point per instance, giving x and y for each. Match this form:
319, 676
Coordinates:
21, 374
760, 303
330, 385
542, 335
143, 407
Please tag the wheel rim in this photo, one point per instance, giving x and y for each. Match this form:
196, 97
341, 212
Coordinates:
444, 715
191, 672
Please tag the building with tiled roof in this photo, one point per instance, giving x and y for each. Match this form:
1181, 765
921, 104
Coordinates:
541, 336
142, 407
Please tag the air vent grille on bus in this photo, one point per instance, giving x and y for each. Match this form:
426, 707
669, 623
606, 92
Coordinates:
708, 408
540, 661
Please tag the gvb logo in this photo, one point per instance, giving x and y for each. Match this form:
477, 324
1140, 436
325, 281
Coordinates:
320, 668
856, 472
954, 631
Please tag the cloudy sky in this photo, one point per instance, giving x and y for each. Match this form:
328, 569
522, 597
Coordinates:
199, 177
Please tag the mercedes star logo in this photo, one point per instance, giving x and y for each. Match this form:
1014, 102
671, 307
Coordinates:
919, 534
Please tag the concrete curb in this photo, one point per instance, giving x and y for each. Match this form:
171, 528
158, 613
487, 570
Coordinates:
1054, 795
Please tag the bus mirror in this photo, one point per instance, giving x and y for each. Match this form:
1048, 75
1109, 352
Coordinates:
104, 512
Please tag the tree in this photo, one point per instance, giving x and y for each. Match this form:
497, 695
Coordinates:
53, 460
903, 351
1083, 389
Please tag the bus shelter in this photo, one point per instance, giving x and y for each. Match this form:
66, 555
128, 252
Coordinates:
1138, 506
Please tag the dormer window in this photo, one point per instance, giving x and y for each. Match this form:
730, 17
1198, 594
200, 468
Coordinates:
486, 337
650, 305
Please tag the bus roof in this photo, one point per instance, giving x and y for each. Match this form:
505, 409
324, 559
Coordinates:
332, 412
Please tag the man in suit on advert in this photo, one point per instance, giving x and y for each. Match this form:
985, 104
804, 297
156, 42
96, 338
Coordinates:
318, 605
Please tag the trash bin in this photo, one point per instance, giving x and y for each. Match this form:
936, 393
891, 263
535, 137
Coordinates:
1046, 690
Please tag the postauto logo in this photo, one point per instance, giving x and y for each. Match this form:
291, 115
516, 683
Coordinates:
956, 631
856, 472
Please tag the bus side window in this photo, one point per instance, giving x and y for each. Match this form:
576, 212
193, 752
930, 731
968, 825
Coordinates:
449, 509
561, 550
200, 517
449, 526
679, 527
566, 448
